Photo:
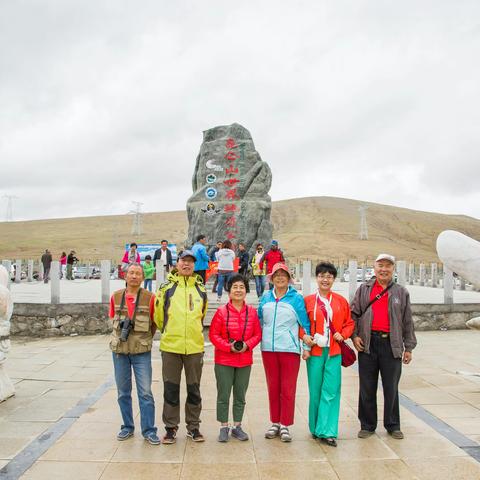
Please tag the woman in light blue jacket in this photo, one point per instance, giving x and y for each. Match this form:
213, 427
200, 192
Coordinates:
282, 312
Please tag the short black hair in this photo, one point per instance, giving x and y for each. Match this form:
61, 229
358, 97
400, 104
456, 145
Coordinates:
200, 237
236, 277
148, 257
132, 244
326, 267
166, 241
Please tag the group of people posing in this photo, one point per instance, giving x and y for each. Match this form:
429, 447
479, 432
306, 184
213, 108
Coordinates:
66, 264
287, 327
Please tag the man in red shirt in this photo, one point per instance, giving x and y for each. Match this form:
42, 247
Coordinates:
384, 336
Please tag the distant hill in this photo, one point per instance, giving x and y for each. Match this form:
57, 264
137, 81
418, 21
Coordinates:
307, 228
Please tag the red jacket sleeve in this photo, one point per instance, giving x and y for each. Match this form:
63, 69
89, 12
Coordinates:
111, 312
215, 333
348, 324
256, 337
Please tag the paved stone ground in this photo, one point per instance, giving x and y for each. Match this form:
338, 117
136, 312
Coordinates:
52, 375
85, 291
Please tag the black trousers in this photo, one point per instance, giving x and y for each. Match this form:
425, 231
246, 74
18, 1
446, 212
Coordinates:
379, 360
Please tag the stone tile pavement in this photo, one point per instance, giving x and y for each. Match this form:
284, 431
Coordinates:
53, 375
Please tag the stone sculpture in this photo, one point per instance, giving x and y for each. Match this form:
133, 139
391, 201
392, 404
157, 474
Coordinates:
230, 190
6, 308
461, 254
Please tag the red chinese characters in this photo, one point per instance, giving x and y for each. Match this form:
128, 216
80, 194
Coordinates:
231, 194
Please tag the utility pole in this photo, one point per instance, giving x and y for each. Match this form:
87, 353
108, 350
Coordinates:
137, 219
363, 222
9, 212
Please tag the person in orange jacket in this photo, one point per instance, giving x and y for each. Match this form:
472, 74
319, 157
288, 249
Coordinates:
324, 358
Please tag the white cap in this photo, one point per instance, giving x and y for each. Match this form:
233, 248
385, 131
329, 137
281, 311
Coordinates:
385, 256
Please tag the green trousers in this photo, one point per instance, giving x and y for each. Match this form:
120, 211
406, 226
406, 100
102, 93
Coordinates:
324, 384
228, 378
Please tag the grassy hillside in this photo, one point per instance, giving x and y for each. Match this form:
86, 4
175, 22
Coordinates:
318, 227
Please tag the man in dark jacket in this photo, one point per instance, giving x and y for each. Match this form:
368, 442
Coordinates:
47, 263
71, 259
164, 254
243, 259
384, 336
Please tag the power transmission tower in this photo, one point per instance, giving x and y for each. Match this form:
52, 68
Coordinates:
363, 222
9, 213
137, 219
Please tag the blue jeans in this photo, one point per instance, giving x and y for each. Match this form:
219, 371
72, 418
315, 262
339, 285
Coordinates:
147, 284
142, 368
222, 282
259, 284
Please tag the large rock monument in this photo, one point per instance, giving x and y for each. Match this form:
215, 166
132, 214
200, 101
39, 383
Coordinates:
6, 308
230, 190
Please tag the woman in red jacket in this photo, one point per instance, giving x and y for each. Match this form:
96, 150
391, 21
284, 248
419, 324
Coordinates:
235, 331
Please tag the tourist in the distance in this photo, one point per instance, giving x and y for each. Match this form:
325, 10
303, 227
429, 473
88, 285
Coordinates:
131, 310
384, 337
225, 257
281, 310
130, 257
235, 331
63, 264
199, 249
71, 260
324, 359
47, 264
148, 272
259, 274
164, 254
213, 258
271, 258
243, 259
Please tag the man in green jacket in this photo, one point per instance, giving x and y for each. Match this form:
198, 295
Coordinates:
180, 307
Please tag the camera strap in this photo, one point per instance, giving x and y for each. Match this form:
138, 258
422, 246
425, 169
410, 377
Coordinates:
122, 305
244, 326
377, 297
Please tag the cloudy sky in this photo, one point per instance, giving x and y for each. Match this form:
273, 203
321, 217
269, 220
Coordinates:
104, 102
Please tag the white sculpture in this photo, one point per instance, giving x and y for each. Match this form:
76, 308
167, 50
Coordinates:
6, 309
461, 254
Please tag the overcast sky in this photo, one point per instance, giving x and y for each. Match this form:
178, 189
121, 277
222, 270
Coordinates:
104, 102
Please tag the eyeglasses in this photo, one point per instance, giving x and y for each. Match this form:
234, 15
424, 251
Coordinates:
328, 276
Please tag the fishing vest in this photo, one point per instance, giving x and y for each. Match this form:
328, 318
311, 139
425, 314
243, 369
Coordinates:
140, 338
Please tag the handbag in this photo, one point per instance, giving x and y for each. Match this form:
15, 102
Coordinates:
348, 354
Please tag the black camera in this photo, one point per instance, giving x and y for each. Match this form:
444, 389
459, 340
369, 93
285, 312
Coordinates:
237, 345
126, 325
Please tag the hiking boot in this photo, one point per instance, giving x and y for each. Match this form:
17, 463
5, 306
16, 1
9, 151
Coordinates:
273, 431
123, 434
396, 434
170, 436
223, 436
239, 434
365, 433
195, 435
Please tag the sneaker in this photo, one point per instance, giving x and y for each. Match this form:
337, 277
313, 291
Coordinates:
396, 434
239, 434
365, 433
153, 439
123, 434
285, 435
223, 436
195, 435
273, 431
170, 436
219, 299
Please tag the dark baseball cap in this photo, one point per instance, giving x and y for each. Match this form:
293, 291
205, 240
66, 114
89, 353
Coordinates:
187, 253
